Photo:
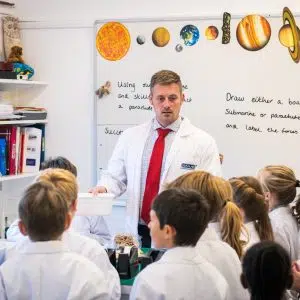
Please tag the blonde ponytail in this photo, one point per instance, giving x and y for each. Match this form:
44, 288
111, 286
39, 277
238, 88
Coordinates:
231, 222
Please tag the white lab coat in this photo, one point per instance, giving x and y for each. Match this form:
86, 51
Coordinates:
191, 145
94, 227
225, 259
47, 270
285, 230
79, 244
251, 236
182, 274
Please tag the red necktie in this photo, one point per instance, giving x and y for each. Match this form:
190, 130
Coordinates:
153, 175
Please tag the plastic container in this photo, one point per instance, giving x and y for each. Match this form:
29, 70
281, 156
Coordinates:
89, 205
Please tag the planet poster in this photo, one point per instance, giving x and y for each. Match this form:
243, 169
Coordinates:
190, 35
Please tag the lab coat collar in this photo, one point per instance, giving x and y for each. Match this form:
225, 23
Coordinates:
216, 227
280, 210
179, 254
209, 235
29, 247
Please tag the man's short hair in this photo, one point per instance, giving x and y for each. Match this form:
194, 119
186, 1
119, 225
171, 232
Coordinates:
185, 210
43, 211
64, 181
165, 77
59, 162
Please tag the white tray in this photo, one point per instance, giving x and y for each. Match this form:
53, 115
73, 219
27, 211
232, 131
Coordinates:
89, 205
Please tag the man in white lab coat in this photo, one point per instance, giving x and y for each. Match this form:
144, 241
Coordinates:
178, 219
183, 148
44, 268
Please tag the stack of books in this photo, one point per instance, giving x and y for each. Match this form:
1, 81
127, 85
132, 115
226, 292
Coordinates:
7, 112
22, 149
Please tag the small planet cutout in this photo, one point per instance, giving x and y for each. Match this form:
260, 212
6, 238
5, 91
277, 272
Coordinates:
190, 35
160, 37
211, 32
140, 40
253, 32
178, 48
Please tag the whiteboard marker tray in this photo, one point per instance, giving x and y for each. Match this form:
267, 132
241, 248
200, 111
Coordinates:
89, 205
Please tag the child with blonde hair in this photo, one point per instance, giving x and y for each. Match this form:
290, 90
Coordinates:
279, 184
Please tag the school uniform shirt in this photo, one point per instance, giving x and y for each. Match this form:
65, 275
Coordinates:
285, 230
250, 236
182, 274
82, 245
94, 227
48, 270
225, 259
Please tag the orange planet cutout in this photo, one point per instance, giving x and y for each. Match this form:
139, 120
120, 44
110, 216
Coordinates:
113, 41
160, 37
253, 32
211, 32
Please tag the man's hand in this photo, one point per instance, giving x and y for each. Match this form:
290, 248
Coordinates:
98, 190
296, 276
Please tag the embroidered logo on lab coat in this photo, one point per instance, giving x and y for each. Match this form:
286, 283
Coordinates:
188, 166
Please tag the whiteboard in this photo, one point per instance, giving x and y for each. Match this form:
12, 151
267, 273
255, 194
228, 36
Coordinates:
215, 77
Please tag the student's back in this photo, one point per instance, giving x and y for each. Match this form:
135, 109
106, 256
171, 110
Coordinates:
48, 270
225, 259
79, 244
180, 274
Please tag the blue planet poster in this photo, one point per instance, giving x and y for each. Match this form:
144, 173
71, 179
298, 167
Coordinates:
190, 35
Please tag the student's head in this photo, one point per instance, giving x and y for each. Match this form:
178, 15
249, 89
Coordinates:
279, 184
65, 182
266, 271
252, 206
178, 218
252, 182
43, 212
166, 96
59, 162
218, 193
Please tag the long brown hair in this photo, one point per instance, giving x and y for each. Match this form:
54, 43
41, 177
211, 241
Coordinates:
218, 192
281, 181
254, 206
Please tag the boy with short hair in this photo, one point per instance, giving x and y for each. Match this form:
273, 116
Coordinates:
177, 220
44, 268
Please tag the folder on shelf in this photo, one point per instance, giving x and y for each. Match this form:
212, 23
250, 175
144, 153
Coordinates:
31, 150
5, 132
2, 156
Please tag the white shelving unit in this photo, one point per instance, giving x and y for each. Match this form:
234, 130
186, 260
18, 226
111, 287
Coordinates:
18, 93
23, 122
17, 85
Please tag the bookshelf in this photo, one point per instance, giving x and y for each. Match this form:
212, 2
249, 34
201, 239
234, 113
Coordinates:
19, 176
23, 122
18, 93
19, 85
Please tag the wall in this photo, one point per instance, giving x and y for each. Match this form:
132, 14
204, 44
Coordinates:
62, 54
